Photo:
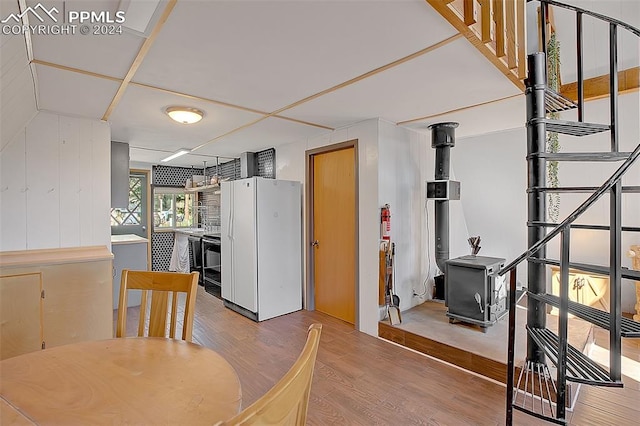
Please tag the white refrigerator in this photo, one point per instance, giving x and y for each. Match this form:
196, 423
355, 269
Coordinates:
261, 246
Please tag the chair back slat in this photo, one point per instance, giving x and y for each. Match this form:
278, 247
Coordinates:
174, 314
286, 403
143, 311
157, 314
159, 285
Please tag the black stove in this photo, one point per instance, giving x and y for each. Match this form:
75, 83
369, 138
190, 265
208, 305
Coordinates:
206, 260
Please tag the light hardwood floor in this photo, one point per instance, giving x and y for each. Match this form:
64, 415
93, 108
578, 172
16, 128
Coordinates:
363, 380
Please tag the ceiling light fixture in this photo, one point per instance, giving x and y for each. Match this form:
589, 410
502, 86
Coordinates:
178, 153
185, 115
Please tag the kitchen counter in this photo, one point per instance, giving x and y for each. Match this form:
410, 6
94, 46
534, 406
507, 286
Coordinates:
189, 231
41, 257
128, 239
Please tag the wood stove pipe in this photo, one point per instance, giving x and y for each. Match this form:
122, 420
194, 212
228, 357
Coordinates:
442, 139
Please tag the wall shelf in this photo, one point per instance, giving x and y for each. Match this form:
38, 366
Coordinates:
204, 188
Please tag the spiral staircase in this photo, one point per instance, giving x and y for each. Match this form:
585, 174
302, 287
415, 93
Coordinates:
538, 390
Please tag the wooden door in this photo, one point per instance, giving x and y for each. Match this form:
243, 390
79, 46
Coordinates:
334, 230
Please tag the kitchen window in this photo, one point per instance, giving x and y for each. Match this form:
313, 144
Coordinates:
173, 208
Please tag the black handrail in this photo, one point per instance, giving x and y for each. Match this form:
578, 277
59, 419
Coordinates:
606, 186
628, 27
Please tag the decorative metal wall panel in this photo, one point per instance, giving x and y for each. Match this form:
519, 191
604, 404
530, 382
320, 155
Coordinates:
170, 176
230, 169
173, 176
161, 248
267, 163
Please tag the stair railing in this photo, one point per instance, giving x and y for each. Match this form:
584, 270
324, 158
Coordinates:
563, 228
603, 189
538, 126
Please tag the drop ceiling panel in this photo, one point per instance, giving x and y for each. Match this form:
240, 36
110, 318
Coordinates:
435, 82
268, 133
73, 93
140, 120
111, 55
266, 55
494, 117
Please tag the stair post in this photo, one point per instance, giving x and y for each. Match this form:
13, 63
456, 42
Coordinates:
536, 203
634, 253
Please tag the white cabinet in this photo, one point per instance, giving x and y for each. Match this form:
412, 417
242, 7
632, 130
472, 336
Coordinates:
129, 252
53, 297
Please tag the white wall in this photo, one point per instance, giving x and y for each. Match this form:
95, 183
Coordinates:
401, 175
55, 180
17, 91
492, 169
394, 164
407, 161
290, 164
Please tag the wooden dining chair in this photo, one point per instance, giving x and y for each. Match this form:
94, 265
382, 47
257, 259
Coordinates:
287, 401
159, 284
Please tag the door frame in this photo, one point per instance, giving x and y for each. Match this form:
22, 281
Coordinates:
147, 174
310, 287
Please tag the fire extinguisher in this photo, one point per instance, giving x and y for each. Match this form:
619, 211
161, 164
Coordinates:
385, 222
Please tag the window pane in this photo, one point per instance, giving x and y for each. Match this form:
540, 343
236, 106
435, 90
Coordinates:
163, 210
173, 209
132, 215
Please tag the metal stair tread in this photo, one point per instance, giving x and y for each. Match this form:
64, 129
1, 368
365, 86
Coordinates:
573, 128
580, 189
583, 156
555, 102
596, 269
540, 416
580, 368
629, 328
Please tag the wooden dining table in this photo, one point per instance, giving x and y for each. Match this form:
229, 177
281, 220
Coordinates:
119, 381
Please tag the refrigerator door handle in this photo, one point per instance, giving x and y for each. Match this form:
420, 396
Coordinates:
230, 219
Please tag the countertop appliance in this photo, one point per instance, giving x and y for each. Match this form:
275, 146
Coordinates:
261, 222
474, 291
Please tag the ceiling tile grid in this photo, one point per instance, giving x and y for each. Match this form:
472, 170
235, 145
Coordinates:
140, 120
268, 133
434, 82
110, 55
74, 94
497, 116
266, 55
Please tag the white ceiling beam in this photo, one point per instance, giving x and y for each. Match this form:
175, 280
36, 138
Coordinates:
429, 117
339, 86
144, 49
173, 92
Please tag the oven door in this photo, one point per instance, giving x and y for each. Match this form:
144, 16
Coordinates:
211, 261
195, 244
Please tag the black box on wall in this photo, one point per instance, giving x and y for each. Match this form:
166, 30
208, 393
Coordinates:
248, 164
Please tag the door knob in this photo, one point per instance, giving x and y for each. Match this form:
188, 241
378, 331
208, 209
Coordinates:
315, 243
